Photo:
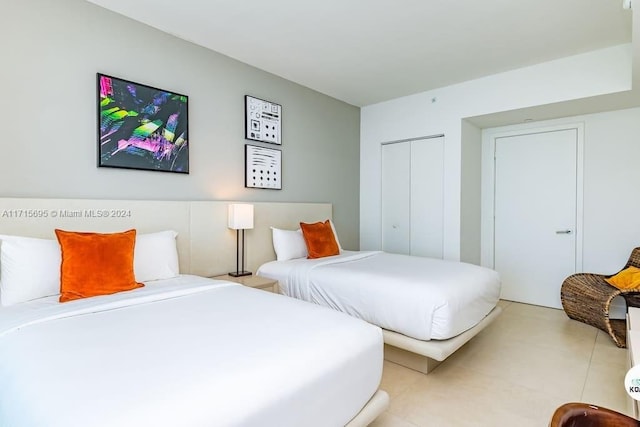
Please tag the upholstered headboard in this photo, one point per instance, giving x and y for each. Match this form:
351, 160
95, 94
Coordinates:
206, 246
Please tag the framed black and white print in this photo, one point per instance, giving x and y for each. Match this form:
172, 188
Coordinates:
263, 120
141, 127
263, 167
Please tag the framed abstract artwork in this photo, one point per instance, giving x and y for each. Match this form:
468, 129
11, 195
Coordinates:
263, 167
263, 120
141, 127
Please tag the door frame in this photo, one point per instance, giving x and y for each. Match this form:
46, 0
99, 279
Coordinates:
487, 218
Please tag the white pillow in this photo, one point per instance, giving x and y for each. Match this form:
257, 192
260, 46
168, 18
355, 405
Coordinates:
335, 235
155, 256
289, 244
29, 269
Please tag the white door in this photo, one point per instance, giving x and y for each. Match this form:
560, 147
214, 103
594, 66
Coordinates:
396, 198
535, 214
427, 197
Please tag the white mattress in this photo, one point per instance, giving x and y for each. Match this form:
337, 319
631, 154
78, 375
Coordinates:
422, 298
188, 351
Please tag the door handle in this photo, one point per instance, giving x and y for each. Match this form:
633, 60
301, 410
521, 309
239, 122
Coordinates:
563, 232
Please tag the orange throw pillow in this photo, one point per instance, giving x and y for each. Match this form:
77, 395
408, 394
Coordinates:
96, 264
320, 240
629, 278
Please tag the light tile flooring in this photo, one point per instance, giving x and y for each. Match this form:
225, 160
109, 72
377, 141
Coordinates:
514, 373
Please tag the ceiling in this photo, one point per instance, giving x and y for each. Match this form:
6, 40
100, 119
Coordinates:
368, 51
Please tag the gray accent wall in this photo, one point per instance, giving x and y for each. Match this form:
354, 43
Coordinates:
51, 52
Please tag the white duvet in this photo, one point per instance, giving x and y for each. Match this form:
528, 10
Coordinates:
185, 352
423, 298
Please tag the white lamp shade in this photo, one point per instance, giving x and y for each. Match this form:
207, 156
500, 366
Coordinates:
240, 216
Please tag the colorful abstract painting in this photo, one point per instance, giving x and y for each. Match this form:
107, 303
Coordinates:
141, 127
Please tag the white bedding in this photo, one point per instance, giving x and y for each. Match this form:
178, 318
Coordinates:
187, 351
422, 298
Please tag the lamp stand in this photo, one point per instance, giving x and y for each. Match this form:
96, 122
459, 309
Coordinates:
239, 272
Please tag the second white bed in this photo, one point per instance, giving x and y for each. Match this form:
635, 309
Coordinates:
422, 298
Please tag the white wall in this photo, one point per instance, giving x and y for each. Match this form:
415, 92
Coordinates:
611, 225
440, 111
470, 200
611, 202
51, 51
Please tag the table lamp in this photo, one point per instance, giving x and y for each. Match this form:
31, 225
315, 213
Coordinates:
240, 218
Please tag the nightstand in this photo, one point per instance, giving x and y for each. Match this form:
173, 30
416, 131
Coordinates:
252, 281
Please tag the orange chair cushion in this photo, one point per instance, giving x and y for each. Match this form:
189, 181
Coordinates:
320, 240
96, 264
629, 278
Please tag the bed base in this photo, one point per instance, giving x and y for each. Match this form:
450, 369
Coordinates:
374, 407
425, 356
410, 360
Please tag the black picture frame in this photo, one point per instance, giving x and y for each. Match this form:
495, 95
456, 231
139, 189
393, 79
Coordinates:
141, 127
262, 167
262, 120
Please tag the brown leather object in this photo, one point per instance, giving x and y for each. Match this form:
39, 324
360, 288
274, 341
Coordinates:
585, 415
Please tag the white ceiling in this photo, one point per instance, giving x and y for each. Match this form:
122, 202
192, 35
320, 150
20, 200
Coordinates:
368, 51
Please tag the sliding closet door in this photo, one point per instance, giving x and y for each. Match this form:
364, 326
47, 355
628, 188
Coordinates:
427, 206
412, 197
396, 193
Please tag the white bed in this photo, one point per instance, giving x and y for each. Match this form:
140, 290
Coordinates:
186, 351
416, 300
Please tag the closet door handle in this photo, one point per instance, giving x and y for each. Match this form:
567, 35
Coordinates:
563, 232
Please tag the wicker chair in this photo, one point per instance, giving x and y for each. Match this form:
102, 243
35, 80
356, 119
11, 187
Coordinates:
587, 297
584, 415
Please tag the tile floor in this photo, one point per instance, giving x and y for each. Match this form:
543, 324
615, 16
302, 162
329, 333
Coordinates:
514, 373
